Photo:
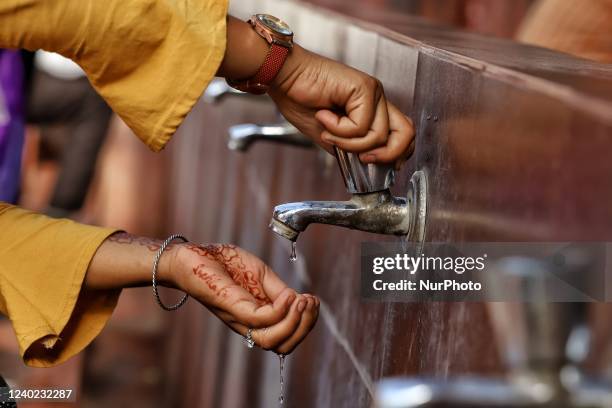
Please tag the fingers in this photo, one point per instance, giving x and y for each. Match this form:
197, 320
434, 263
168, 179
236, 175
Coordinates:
375, 136
247, 310
404, 157
372, 126
272, 336
359, 103
309, 318
400, 138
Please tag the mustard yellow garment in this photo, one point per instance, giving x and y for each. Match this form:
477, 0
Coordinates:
42, 266
150, 60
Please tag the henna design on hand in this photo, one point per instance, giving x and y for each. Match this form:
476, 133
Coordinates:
210, 279
230, 258
152, 245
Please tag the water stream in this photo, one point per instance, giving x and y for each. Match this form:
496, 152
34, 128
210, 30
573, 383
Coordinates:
293, 256
281, 357
281, 397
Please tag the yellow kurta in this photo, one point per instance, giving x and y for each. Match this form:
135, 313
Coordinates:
150, 60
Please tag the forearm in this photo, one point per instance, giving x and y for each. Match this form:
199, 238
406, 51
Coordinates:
125, 260
246, 51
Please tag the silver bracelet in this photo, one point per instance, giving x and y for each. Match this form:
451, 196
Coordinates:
158, 255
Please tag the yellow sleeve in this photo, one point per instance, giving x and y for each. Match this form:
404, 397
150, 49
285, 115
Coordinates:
149, 59
42, 267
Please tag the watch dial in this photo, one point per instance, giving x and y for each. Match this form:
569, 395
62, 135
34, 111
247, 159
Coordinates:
275, 24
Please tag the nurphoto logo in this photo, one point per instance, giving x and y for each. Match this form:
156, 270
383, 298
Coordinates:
481, 271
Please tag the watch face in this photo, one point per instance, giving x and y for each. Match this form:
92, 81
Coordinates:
275, 24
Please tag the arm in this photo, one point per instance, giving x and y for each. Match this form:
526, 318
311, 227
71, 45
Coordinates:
125, 60
151, 61
332, 103
60, 281
234, 284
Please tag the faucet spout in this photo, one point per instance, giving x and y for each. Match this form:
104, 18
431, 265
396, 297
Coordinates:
379, 212
241, 137
218, 89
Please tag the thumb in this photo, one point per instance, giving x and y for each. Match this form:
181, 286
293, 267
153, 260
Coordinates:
253, 315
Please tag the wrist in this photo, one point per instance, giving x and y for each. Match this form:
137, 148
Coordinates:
245, 51
256, 52
170, 268
290, 69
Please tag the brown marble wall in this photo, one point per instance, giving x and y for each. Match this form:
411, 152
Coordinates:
514, 149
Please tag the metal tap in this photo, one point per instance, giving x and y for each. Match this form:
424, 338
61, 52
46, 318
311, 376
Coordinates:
541, 343
218, 89
240, 137
372, 207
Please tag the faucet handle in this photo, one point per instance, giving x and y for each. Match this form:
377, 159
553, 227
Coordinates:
363, 178
240, 137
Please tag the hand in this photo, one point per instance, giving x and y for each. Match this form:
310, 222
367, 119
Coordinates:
245, 293
326, 100
234, 284
339, 106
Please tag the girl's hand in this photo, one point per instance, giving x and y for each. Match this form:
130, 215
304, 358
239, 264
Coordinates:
235, 285
337, 105
245, 293
332, 103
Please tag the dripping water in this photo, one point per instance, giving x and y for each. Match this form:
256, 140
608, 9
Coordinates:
293, 256
281, 357
281, 397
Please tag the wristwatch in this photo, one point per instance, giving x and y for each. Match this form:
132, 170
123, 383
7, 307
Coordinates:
280, 37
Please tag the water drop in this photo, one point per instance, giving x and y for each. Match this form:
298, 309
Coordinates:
293, 256
281, 398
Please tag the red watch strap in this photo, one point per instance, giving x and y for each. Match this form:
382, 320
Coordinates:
272, 65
